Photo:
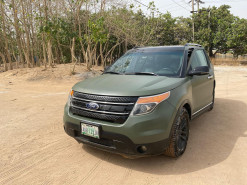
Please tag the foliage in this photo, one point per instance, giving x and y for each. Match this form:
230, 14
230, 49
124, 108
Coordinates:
214, 27
68, 30
237, 38
97, 31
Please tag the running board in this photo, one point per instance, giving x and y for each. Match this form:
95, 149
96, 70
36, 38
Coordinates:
201, 110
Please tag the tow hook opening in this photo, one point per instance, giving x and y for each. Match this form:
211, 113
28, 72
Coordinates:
141, 149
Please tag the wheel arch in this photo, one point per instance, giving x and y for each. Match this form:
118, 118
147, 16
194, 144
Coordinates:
188, 108
187, 105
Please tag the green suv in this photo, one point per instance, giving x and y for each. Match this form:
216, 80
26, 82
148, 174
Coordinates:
142, 104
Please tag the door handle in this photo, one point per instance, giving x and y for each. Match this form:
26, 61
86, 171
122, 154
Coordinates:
210, 76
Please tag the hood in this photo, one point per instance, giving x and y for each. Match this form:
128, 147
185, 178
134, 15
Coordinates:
127, 85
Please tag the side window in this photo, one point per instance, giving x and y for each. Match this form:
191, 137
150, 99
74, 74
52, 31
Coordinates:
198, 59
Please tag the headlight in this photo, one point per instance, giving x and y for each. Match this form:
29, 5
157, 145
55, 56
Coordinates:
70, 96
147, 104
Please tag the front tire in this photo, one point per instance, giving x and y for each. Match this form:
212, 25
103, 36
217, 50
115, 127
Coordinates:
179, 135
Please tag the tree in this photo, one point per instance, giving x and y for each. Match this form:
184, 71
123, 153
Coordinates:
183, 33
97, 32
165, 32
213, 31
237, 38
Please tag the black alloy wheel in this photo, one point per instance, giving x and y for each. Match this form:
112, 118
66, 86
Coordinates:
179, 135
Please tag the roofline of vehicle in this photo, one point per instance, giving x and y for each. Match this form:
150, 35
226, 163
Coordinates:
137, 47
186, 45
193, 44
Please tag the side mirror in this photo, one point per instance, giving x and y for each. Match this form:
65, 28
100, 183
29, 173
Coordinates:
201, 70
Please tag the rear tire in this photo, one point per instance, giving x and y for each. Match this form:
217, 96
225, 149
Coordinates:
179, 135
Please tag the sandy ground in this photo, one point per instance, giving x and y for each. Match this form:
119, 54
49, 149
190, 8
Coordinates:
34, 148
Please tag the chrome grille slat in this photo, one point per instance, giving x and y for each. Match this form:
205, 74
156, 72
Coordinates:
117, 119
103, 112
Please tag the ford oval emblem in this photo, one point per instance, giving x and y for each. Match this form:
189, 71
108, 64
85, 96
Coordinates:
92, 105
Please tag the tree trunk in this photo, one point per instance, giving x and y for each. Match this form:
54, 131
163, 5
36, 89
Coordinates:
57, 59
73, 51
73, 58
17, 30
43, 39
44, 54
211, 51
94, 55
32, 39
15, 58
102, 5
85, 58
111, 58
27, 42
4, 62
113, 48
26, 54
49, 53
60, 51
126, 45
89, 54
119, 51
101, 55
5, 37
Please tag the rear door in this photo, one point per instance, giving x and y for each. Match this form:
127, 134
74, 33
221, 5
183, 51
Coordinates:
202, 86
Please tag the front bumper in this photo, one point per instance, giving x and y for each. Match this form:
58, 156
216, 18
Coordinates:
151, 130
116, 143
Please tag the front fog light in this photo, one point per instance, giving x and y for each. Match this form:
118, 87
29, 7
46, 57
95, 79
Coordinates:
147, 104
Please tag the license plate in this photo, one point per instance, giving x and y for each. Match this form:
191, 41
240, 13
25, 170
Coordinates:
90, 130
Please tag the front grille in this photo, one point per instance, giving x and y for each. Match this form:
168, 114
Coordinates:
115, 109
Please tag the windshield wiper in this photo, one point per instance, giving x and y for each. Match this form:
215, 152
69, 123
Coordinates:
111, 72
142, 73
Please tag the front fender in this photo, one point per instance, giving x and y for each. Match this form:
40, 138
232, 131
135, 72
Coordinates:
182, 95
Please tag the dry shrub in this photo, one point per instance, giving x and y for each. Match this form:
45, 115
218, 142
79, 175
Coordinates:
225, 61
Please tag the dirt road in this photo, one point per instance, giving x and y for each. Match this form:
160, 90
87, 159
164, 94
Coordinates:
34, 148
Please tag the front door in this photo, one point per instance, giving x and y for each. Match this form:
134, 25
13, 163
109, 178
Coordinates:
202, 85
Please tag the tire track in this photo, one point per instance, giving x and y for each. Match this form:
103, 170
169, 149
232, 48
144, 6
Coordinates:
31, 161
94, 168
33, 152
91, 171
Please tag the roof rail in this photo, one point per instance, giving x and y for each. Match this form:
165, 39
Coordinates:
192, 44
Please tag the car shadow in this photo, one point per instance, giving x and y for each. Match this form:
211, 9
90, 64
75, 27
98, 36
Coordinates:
212, 139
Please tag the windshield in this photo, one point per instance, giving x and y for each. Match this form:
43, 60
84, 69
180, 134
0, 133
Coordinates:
165, 63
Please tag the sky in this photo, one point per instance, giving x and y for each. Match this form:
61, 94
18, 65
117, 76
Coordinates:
183, 8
